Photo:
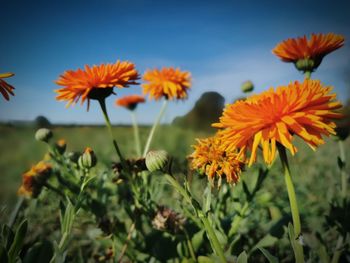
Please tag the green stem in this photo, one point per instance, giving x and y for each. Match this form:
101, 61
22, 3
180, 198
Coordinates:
297, 247
307, 74
155, 124
136, 133
213, 238
291, 191
54, 189
344, 177
109, 127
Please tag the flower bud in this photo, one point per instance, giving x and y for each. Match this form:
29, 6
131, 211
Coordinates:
247, 86
156, 160
61, 146
87, 159
73, 156
43, 135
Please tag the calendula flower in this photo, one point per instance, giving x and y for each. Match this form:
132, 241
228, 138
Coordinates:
169, 83
307, 54
33, 180
215, 162
275, 116
5, 88
130, 102
96, 82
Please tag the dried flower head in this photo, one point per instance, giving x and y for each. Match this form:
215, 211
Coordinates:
168, 220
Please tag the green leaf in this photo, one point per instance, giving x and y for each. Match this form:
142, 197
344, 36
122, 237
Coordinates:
7, 236
323, 255
203, 259
246, 190
197, 239
40, 252
242, 258
270, 258
266, 241
18, 241
3, 255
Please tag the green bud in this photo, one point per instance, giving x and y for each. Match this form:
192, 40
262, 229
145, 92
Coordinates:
88, 159
73, 157
156, 160
247, 86
43, 135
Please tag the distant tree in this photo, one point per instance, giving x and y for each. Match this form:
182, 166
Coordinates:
206, 111
42, 122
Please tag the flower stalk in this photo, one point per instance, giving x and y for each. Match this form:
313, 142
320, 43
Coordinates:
102, 103
136, 133
344, 176
154, 127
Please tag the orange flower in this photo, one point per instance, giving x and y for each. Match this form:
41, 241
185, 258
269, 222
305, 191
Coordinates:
32, 181
96, 82
307, 54
302, 109
211, 159
5, 88
168, 82
130, 102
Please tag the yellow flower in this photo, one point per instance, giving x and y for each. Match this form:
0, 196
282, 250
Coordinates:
96, 82
5, 88
211, 159
303, 109
169, 83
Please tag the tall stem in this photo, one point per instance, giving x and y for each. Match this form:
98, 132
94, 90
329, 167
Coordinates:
109, 127
291, 191
136, 133
344, 177
155, 124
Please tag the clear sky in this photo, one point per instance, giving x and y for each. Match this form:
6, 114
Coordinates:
222, 43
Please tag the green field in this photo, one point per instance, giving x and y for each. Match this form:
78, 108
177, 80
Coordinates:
315, 174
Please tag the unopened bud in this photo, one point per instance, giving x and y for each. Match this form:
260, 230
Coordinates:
87, 159
61, 146
247, 86
43, 135
73, 156
156, 160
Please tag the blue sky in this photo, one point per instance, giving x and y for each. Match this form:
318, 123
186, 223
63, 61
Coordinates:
222, 43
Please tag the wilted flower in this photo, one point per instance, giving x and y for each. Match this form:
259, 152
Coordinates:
307, 54
34, 179
156, 160
168, 220
96, 82
130, 102
88, 159
215, 162
169, 83
43, 135
275, 116
5, 88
